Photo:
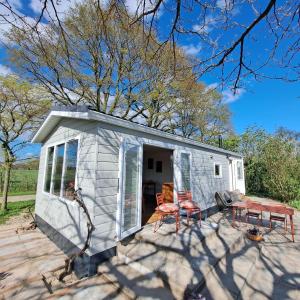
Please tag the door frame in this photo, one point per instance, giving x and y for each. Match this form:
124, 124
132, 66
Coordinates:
121, 188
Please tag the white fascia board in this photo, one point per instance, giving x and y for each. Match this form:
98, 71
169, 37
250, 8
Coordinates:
52, 120
55, 116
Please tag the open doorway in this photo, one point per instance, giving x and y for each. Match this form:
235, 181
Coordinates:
157, 178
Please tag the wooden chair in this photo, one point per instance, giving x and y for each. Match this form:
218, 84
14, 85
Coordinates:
166, 209
254, 210
186, 202
279, 209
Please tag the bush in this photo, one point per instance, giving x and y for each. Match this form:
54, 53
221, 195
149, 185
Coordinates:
272, 164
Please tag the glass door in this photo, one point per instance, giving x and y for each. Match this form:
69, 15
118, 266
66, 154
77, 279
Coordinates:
129, 218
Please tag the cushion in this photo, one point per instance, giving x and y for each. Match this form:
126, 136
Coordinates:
188, 204
227, 197
168, 207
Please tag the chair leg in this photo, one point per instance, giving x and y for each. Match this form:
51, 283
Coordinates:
188, 217
177, 221
285, 224
270, 223
200, 217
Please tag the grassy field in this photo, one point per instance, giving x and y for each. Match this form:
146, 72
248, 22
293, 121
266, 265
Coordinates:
15, 208
23, 182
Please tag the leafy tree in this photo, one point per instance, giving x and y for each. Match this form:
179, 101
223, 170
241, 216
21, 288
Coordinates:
272, 163
97, 56
22, 106
281, 178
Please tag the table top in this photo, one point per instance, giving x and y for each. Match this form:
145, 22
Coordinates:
269, 207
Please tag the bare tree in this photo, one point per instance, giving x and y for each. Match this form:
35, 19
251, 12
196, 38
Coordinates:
232, 35
98, 56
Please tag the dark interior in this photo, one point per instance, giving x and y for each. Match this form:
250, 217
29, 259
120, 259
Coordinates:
157, 176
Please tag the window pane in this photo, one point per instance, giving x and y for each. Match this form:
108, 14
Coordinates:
49, 165
217, 170
70, 169
131, 188
239, 170
185, 171
58, 169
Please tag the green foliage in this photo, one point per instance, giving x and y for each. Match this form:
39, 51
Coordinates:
272, 164
295, 203
15, 208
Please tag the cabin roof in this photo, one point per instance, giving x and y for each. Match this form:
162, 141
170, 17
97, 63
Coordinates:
84, 113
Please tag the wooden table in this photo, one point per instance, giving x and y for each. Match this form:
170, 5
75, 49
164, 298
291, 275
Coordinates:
271, 208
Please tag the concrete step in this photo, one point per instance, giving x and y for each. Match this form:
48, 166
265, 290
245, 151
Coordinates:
181, 261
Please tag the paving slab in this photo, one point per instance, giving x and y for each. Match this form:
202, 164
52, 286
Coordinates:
26, 256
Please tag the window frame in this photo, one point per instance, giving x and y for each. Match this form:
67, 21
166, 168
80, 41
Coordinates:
180, 152
55, 145
220, 168
239, 162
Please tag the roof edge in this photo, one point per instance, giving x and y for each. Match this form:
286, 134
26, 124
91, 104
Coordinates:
55, 115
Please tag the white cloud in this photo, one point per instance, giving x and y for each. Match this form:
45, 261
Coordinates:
225, 4
229, 95
205, 27
61, 7
191, 49
4, 70
138, 6
212, 86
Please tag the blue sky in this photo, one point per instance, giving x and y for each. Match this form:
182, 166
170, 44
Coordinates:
268, 104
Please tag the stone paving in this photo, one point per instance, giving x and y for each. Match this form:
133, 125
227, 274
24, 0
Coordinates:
216, 264
27, 256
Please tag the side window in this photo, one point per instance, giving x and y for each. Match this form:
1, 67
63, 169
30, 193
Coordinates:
59, 161
49, 166
239, 170
185, 171
70, 169
61, 169
217, 170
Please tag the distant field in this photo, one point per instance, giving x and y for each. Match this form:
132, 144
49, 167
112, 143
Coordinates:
22, 181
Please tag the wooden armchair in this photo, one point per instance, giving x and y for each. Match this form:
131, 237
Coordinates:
185, 202
166, 209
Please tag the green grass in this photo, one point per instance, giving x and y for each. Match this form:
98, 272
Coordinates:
20, 181
21, 193
295, 204
15, 208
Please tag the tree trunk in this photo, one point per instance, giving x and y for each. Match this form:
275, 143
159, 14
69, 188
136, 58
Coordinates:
6, 185
8, 162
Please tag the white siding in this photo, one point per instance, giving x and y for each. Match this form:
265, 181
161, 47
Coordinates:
64, 215
98, 177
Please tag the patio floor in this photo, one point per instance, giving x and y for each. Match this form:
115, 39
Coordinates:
218, 264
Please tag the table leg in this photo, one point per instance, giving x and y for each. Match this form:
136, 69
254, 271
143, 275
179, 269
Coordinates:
233, 215
292, 228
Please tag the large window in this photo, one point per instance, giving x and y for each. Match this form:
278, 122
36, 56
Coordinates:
61, 169
239, 170
186, 171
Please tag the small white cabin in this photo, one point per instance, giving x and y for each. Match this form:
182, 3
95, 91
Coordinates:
119, 166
